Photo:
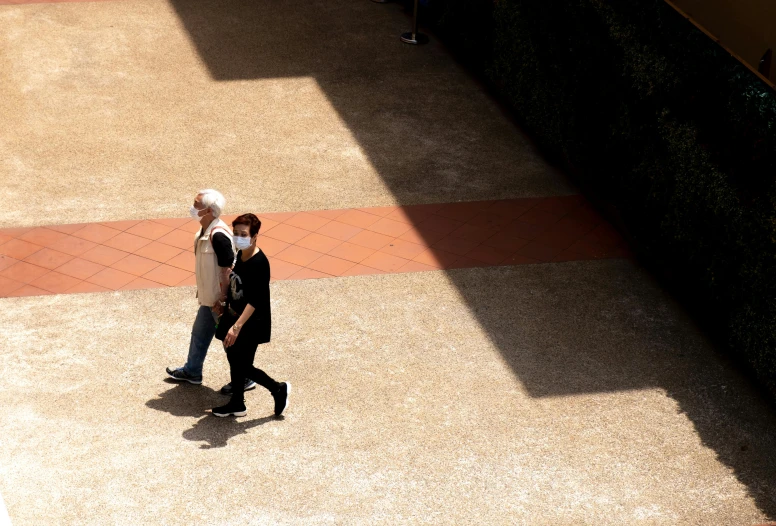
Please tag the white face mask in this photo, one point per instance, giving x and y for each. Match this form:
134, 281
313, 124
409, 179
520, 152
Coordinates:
242, 242
194, 212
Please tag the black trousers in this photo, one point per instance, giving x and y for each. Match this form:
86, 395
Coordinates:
240, 356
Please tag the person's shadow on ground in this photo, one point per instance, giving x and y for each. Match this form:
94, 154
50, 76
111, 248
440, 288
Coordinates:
217, 431
184, 399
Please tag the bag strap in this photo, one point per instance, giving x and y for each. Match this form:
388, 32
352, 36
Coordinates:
216, 228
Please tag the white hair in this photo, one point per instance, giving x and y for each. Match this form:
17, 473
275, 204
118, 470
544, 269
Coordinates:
214, 200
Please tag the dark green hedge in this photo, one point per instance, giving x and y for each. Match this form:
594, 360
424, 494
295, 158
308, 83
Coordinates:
651, 116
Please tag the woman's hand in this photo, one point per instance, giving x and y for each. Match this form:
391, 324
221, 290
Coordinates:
231, 336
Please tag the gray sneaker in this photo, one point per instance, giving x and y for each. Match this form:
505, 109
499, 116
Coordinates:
182, 376
249, 384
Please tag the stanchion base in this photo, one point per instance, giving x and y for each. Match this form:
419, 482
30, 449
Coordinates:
414, 38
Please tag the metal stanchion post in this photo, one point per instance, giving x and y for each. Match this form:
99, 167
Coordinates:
413, 37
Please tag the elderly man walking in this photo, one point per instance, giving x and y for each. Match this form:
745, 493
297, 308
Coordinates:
214, 251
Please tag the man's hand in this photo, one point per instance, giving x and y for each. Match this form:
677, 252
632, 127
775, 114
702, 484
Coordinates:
217, 308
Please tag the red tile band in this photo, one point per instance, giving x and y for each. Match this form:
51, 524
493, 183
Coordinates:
127, 255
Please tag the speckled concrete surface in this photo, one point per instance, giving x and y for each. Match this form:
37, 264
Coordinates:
560, 394
123, 110
571, 393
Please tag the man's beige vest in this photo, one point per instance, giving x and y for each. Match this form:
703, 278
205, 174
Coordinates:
207, 269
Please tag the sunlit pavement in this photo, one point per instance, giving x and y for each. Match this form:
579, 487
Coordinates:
469, 342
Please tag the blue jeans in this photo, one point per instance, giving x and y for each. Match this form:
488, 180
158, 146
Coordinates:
201, 335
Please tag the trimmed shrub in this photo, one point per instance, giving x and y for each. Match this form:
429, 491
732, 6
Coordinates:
654, 118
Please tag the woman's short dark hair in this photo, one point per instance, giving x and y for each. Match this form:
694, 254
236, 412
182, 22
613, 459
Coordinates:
251, 221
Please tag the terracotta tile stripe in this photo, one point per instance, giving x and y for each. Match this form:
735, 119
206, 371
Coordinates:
141, 254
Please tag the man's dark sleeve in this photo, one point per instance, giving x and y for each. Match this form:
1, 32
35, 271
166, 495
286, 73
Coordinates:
223, 248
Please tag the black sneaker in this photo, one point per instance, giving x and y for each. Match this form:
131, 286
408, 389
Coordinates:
249, 384
230, 409
281, 397
182, 376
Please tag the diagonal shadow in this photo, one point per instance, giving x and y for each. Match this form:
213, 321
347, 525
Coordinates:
598, 327
434, 136
183, 399
389, 96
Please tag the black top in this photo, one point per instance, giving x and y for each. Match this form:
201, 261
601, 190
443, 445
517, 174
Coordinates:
249, 284
223, 248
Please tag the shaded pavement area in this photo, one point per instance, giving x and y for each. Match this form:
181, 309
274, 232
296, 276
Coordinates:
559, 392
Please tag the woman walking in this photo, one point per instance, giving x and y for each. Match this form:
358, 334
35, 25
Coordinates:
246, 322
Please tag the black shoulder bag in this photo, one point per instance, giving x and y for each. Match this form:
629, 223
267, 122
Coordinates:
225, 322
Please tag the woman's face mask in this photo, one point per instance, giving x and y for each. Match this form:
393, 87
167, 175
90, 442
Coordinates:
242, 242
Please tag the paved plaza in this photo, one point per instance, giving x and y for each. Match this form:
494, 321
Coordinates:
469, 341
